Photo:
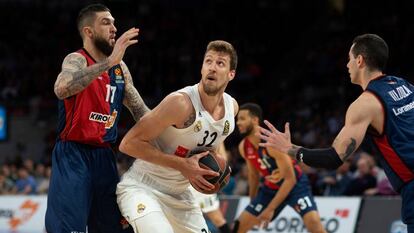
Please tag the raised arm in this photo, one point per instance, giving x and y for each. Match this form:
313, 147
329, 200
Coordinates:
132, 100
138, 141
76, 75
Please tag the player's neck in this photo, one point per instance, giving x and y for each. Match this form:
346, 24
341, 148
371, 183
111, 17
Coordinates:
210, 103
368, 76
97, 55
254, 139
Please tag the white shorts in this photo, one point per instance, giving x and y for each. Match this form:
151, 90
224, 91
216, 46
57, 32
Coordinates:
207, 202
136, 200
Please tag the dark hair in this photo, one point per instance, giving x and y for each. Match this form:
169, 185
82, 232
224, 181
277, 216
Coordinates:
254, 110
373, 49
225, 47
87, 15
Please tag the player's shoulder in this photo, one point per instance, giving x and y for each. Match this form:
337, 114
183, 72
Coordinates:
236, 107
367, 106
74, 57
178, 100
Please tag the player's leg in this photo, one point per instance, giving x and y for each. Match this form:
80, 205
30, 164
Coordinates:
105, 216
248, 218
186, 220
302, 201
312, 221
69, 197
245, 222
210, 206
140, 207
217, 218
407, 206
155, 222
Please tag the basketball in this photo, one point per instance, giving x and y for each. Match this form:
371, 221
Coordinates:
217, 164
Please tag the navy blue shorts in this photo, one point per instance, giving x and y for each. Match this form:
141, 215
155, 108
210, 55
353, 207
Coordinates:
82, 190
407, 205
300, 199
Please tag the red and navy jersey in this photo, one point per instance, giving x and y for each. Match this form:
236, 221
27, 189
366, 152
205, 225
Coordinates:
91, 116
396, 143
265, 164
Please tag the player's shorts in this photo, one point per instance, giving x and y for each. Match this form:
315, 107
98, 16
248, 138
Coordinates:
207, 202
407, 206
137, 199
82, 190
300, 199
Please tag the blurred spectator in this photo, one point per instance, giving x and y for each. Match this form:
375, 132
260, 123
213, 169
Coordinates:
364, 179
6, 184
43, 183
334, 183
25, 184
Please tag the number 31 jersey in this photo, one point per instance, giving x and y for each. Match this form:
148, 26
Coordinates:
203, 132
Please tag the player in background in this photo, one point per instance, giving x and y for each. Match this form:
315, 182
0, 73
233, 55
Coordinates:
384, 110
156, 187
91, 88
210, 203
274, 182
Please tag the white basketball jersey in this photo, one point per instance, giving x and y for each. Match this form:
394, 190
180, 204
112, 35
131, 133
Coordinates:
204, 132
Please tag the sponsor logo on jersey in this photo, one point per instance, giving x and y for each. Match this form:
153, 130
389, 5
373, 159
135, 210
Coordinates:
226, 129
198, 126
108, 120
118, 76
181, 151
140, 208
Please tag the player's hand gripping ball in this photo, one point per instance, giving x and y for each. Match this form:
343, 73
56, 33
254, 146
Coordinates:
214, 162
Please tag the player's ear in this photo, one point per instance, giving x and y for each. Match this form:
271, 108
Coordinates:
232, 74
87, 31
360, 60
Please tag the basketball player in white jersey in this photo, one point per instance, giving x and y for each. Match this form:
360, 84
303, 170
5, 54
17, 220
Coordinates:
210, 203
154, 194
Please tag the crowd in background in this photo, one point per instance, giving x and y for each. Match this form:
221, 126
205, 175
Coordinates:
292, 61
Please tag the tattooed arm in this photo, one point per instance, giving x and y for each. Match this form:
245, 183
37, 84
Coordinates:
132, 100
76, 75
364, 111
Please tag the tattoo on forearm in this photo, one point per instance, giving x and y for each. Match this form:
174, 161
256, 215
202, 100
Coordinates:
135, 103
190, 120
349, 149
76, 78
133, 100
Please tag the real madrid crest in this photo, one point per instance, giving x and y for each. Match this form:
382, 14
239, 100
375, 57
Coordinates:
198, 126
140, 208
226, 127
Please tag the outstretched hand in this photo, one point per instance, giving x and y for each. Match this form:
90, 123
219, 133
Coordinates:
274, 139
121, 44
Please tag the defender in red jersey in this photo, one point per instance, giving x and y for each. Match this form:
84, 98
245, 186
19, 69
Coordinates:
92, 86
273, 182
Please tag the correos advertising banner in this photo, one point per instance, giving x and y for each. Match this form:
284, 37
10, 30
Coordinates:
338, 215
22, 214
